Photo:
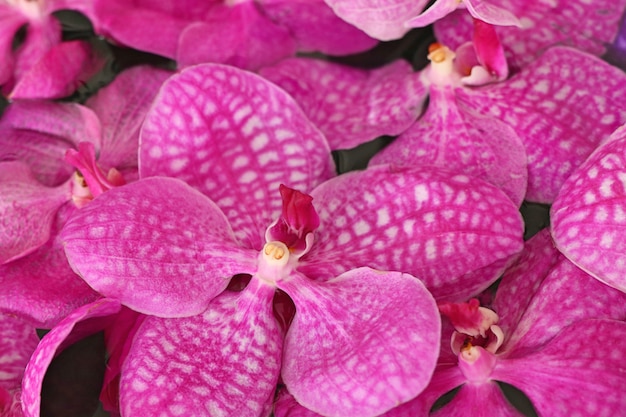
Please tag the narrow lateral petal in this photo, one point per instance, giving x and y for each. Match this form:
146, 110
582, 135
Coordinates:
351, 105
235, 137
443, 228
316, 27
121, 107
347, 352
82, 322
380, 19
581, 371
589, 214
18, 341
27, 210
478, 400
157, 245
451, 135
562, 106
587, 26
223, 362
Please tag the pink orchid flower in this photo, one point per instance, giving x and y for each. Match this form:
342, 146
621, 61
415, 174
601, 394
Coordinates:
391, 19
18, 340
248, 33
589, 213
584, 25
167, 250
529, 339
42, 66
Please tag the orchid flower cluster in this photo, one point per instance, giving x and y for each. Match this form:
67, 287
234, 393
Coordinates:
192, 213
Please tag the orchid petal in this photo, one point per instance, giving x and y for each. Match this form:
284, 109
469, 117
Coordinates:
427, 222
241, 36
489, 13
369, 361
579, 371
589, 214
489, 50
478, 400
42, 34
121, 107
316, 28
41, 287
10, 22
352, 106
561, 106
451, 135
438, 10
157, 245
224, 362
383, 20
84, 321
589, 27
235, 141
27, 210
17, 342
59, 72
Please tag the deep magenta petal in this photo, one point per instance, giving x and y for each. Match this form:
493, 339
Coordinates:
27, 210
455, 233
589, 214
489, 50
18, 341
347, 352
478, 400
350, 105
10, 22
235, 137
223, 362
561, 106
121, 107
157, 245
578, 372
82, 322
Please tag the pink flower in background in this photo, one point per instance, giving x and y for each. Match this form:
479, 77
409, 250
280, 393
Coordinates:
589, 213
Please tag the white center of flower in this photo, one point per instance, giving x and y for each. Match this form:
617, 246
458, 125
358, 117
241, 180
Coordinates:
275, 262
441, 70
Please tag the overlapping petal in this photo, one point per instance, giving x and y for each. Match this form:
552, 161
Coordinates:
453, 232
589, 214
562, 106
17, 342
225, 361
235, 137
347, 352
157, 245
352, 106
10, 22
479, 400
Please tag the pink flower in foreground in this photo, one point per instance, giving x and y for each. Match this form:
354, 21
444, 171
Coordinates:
391, 19
589, 213
554, 333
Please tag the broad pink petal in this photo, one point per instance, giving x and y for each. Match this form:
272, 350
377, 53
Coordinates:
59, 72
352, 106
451, 135
361, 343
478, 400
235, 137
241, 36
18, 340
438, 10
488, 12
443, 228
589, 214
27, 210
581, 371
121, 107
10, 22
588, 26
562, 106
42, 34
383, 20
82, 322
41, 287
225, 361
157, 245
316, 28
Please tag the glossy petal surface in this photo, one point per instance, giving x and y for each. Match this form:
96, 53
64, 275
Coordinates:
157, 245
352, 106
225, 361
235, 137
27, 210
451, 135
442, 228
589, 214
368, 361
82, 322
562, 106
